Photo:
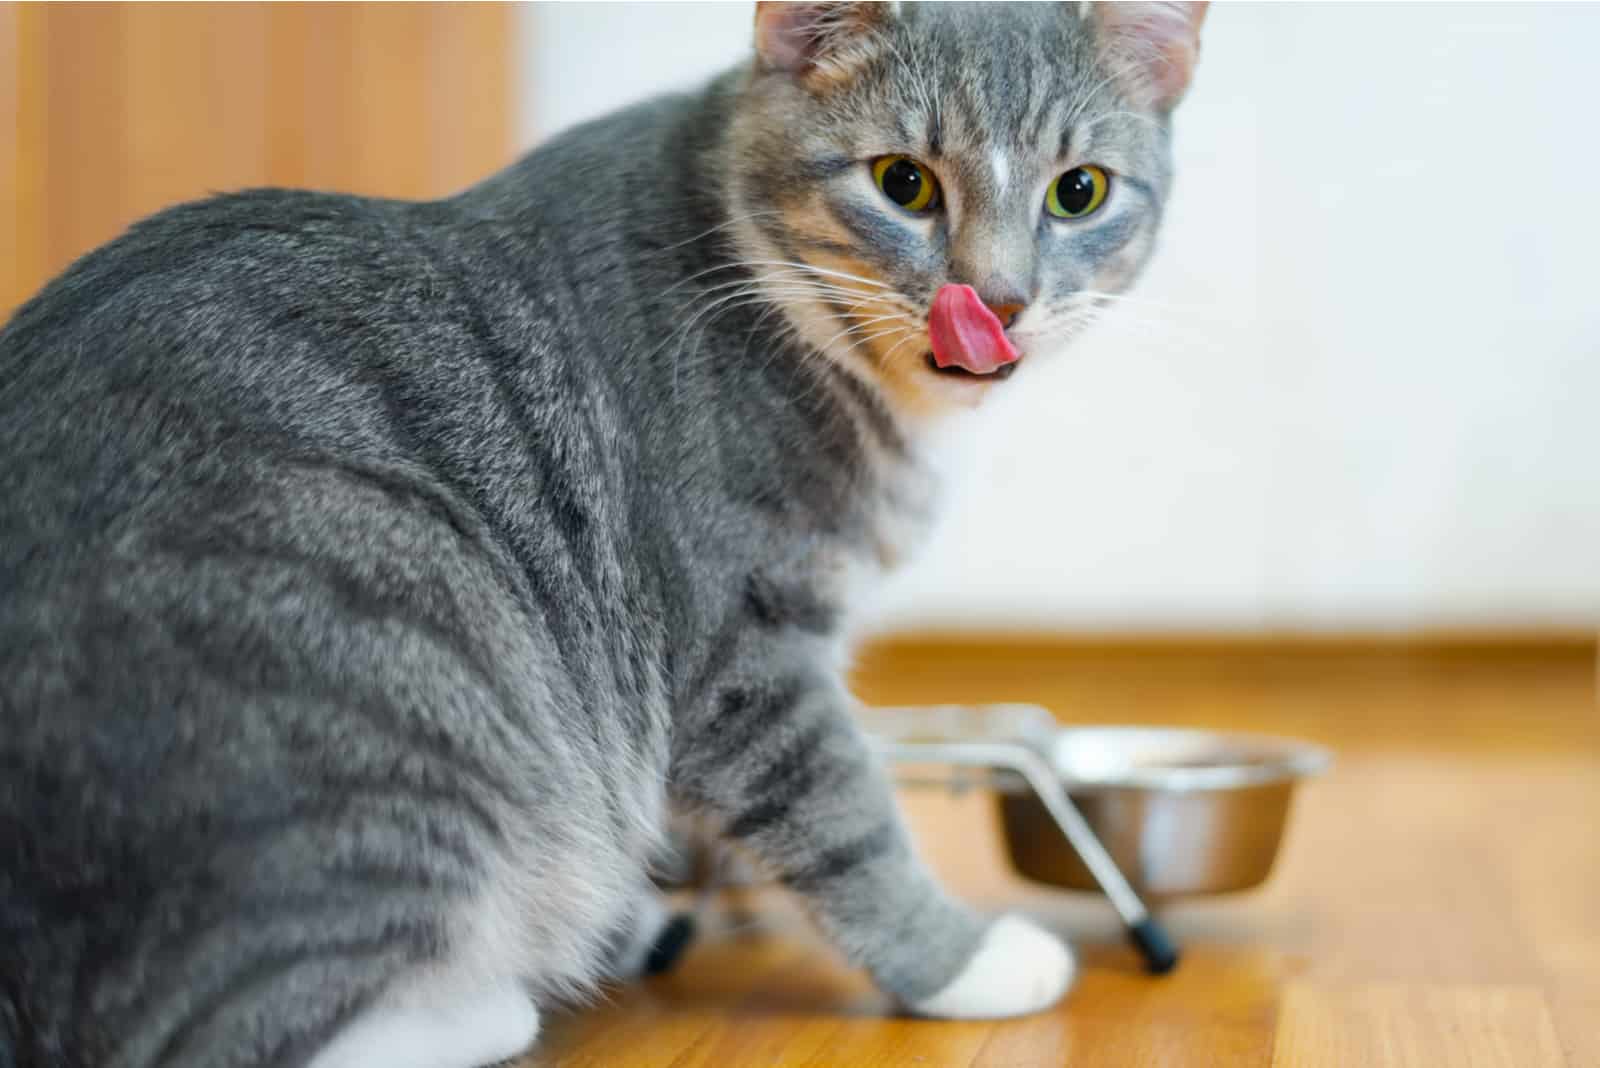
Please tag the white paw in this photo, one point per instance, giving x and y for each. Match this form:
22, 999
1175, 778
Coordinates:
1018, 969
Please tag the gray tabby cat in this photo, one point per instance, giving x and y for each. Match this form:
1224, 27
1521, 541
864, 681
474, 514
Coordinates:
375, 577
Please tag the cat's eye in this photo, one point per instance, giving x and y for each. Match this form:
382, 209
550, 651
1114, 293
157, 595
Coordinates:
1077, 192
906, 182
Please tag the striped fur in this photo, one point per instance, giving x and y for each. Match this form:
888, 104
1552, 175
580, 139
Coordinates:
376, 576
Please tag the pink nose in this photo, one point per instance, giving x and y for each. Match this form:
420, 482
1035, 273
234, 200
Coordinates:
1006, 313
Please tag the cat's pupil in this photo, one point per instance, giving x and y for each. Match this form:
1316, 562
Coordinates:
1075, 191
902, 181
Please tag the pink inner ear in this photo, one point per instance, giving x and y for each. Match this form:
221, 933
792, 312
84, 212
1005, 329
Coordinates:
785, 33
795, 36
1160, 40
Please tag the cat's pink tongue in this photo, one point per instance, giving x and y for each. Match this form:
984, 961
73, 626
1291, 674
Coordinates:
966, 334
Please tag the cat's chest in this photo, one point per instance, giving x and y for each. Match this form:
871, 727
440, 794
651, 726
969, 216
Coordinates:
903, 513
897, 517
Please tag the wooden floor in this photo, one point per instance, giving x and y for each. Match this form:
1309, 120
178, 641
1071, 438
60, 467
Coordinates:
1437, 903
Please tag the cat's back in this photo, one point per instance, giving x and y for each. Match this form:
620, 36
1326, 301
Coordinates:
216, 338
201, 325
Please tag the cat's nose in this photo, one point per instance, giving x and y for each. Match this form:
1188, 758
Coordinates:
1007, 313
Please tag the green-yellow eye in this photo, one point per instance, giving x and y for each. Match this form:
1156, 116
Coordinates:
1077, 193
906, 182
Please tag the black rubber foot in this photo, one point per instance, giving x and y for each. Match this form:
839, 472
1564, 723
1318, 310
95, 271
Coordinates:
1159, 952
670, 944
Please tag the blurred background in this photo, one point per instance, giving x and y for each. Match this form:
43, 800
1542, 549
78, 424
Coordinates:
1358, 391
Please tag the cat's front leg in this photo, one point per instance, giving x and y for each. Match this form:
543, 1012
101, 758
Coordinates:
782, 769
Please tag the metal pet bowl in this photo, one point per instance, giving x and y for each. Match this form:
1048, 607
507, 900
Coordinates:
1135, 812
1181, 812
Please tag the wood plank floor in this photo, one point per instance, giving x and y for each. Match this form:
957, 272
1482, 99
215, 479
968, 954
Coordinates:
1437, 903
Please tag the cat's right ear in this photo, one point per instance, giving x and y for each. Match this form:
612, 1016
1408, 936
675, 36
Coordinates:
817, 41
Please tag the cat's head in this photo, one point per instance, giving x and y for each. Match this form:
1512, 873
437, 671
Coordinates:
963, 185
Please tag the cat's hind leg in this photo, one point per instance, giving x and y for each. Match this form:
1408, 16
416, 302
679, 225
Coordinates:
434, 1026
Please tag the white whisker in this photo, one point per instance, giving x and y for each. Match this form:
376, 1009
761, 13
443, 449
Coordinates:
733, 221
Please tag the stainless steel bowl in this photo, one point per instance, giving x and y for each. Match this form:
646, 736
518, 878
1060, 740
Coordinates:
1182, 812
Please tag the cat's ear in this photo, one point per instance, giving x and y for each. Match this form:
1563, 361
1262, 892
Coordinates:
821, 39
1152, 47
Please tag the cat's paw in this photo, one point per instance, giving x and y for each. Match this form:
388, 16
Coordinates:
1018, 968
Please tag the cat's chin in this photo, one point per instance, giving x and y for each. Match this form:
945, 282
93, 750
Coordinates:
957, 387
929, 390
961, 374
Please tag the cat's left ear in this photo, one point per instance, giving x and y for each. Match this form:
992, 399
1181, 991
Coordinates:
1152, 47
823, 41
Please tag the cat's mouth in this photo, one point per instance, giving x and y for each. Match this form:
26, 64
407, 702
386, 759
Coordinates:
996, 374
969, 340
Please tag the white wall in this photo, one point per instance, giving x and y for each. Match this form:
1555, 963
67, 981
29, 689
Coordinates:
1360, 386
